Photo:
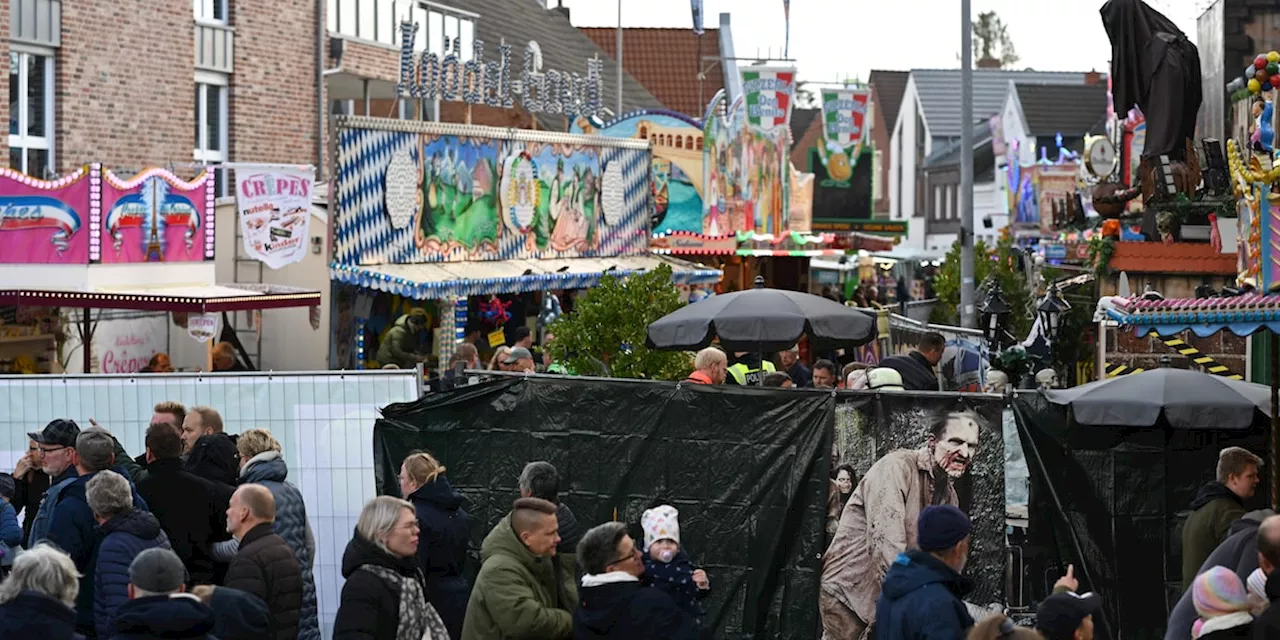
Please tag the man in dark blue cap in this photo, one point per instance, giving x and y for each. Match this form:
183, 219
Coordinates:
922, 591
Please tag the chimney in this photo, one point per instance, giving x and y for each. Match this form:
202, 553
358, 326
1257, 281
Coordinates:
988, 63
1093, 78
561, 9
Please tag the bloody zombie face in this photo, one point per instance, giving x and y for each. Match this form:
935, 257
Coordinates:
954, 449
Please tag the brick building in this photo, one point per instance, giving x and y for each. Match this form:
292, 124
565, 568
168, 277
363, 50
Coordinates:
172, 83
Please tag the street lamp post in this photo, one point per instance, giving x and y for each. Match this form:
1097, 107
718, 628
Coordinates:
1051, 310
995, 314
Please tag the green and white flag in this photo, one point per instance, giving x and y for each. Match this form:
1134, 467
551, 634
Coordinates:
768, 93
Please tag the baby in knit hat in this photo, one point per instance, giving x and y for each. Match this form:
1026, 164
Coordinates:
1223, 605
667, 566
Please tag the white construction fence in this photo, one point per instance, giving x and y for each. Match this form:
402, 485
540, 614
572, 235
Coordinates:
324, 420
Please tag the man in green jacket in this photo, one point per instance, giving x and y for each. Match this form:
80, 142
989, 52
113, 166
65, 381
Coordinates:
1216, 506
519, 593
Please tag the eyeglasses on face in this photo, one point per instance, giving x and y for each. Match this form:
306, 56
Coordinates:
50, 449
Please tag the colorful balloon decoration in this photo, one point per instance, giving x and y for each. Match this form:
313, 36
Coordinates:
1264, 73
495, 311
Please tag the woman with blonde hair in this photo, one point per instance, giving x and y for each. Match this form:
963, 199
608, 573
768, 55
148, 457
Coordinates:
384, 597
261, 462
495, 363
445, 529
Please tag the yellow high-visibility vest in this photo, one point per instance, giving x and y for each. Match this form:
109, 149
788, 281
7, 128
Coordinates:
744, 375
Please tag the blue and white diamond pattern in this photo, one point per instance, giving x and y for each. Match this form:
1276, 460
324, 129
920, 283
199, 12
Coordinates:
364, 234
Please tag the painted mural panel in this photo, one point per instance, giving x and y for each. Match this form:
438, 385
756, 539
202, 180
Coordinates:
677, 164
747, 174
412, 197
155, 217
44, 222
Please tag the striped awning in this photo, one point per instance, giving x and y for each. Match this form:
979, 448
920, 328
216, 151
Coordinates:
1241, 315
437, 280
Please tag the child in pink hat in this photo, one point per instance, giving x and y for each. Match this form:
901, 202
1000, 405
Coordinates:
667, 566
1223, 605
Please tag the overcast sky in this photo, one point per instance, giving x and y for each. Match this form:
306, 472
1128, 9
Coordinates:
834, 39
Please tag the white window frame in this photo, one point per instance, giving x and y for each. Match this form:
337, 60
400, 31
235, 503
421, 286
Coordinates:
937, 203
22, 140
204, 81
204, 11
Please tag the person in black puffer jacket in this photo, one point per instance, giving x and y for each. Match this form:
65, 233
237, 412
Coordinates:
445, 529
384, 596
265, 565
125, 533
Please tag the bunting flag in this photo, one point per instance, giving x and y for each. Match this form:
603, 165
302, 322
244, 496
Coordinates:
697, 17
786, 18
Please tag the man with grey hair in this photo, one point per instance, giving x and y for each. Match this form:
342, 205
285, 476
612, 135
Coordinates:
792, 366
125, 533
709, 367
73, 527
613, 602
158, 604
36, 598
541, 480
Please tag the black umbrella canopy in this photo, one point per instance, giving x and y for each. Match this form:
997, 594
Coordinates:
761, 320
1186, 399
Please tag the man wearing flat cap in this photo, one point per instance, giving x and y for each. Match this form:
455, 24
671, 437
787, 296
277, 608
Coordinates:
922, 592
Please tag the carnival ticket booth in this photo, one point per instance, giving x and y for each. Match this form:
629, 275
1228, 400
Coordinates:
482, 229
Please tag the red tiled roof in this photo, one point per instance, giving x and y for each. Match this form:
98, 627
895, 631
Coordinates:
1177, 257
666, 62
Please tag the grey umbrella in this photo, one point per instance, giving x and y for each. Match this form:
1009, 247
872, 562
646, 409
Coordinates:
762, 320
1186, 399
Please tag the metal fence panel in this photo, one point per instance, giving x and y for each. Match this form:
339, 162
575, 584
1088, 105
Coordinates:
324, 421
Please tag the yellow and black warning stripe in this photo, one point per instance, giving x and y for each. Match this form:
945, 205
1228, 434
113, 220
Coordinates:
1114, 370
1210, 365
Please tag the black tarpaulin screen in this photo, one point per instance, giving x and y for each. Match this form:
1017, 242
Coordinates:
747, 468
1111, 500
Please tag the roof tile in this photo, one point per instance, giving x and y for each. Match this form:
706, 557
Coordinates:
890, 86
939, 91
1069, 110
1176, 257
667, 63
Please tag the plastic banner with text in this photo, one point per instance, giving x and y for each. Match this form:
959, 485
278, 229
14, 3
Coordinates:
768, 92
274, 208
844, 122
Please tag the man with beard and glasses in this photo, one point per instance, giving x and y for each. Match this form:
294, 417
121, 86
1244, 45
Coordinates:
880, 521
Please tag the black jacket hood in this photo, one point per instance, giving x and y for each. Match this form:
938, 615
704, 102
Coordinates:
570, 531
604, 606
1213, 491
361, 552
439, 494
136, 522
178, 616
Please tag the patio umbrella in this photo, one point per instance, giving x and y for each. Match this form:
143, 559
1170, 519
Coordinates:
1186, 399
761, 320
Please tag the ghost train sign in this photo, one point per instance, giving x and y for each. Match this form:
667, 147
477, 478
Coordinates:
491, 83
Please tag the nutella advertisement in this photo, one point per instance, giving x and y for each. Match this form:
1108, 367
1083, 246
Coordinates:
275, 213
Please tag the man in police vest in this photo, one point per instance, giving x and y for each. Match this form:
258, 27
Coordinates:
747, 369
